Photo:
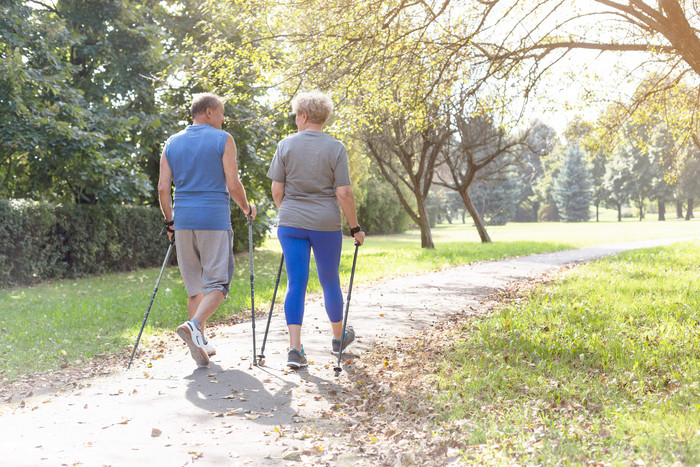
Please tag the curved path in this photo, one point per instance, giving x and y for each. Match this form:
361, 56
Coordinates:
165, 411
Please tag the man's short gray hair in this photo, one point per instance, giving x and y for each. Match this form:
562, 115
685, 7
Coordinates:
316, 105
203, 101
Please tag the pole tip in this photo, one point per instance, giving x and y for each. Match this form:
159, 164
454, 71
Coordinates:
337, 371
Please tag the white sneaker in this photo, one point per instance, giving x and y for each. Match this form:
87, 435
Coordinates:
211, 351
195, 341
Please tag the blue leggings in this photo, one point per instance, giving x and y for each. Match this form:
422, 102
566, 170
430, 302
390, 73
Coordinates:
296, 246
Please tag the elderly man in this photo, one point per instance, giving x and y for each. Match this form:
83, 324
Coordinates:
201, 160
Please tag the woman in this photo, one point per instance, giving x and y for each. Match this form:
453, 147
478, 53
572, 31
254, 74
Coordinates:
310, 178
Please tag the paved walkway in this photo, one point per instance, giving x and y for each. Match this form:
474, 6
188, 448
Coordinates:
168, 412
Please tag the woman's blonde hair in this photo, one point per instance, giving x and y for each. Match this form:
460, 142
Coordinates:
316, 105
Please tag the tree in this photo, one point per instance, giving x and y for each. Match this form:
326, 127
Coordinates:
482, 148
594, 142
407, 155
616, 177
662, 153
42, 118
689, 181
638, 174
539, 143
496, 199
90, 130
572, 187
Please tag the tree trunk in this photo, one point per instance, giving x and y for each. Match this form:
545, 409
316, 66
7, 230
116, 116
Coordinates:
535, 210
426, 237
689, 212
662, 209
597, 212
475, 216
679, 209
641, 210
619, 212
464, 216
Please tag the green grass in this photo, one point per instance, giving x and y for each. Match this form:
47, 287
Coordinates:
65, 322
603, 366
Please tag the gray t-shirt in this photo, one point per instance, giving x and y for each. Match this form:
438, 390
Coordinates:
311, 164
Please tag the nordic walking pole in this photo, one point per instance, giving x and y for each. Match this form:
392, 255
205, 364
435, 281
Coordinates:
252, 280
338, 368
261, 355
145, 318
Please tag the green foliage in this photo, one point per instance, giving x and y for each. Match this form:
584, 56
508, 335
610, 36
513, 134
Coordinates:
600, 367
572, 187
42, 241
80, 99
497, 200
548, 213
380, 211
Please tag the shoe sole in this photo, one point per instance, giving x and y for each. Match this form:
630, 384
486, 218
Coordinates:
296, 364
346, 346
198, 354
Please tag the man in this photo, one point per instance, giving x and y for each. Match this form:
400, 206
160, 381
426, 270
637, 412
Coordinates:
201, 160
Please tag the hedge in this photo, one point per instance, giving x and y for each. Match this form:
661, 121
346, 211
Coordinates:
40, 241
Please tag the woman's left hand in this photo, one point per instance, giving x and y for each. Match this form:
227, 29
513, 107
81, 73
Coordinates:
359, 238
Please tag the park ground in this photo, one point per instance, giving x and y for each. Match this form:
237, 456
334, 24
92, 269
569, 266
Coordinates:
524, 374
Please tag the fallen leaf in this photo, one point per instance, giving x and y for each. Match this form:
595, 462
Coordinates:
292, 455
155, 432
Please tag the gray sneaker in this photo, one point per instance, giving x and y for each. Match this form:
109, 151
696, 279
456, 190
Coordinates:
296, 359
195, 341
349, 339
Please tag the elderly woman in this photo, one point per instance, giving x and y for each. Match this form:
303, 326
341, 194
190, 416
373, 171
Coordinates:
310, 178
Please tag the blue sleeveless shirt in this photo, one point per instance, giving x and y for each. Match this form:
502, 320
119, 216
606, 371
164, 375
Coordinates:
201, 197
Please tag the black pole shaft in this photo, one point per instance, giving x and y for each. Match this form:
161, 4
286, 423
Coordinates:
252, 284
272, 307
145, 318
338, 368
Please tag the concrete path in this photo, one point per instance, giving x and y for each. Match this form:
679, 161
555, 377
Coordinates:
168, 412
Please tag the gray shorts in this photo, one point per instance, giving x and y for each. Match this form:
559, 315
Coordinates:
205, 258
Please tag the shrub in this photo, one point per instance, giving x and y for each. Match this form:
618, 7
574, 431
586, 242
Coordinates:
548, 213
380, 212
40, 241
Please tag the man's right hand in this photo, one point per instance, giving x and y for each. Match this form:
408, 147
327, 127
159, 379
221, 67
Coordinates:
253, 211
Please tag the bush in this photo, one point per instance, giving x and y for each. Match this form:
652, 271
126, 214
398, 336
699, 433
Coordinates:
380, 212
40, 241
548, 213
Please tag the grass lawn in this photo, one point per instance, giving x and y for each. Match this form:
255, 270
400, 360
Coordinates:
66, 322
601, 367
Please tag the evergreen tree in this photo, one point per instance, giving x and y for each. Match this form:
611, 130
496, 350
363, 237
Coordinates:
689, 180
638, 180
616, 175
572, 187
497, 199
662, 154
